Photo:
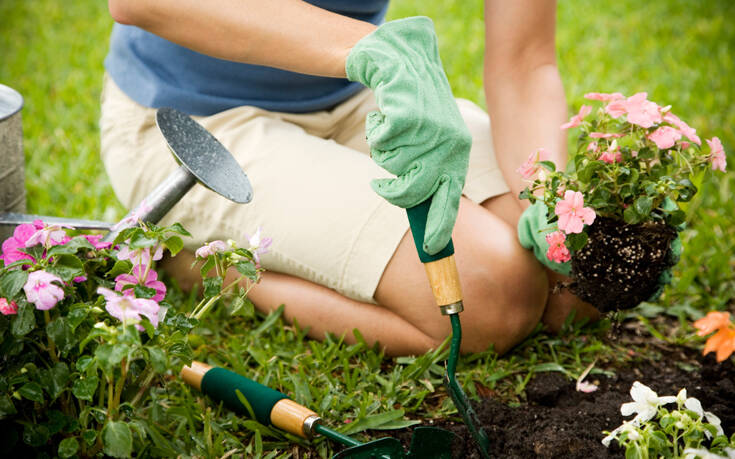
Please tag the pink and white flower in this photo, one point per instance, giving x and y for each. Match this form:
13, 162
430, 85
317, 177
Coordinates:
210, 249
641, 111
601, 96
576, 120
12, 245
133, 217
258, 245
127, 307
717, 157
572, 213
529, 168
140, 256
688, 131
605, 135
49, 235
612, 154
8, 308
41, 291
665, 137
558, 252
94, 239
137, 278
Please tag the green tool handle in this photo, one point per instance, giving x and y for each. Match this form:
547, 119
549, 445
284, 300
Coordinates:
269, 406
441, 268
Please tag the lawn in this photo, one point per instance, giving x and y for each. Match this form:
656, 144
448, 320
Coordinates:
681, 52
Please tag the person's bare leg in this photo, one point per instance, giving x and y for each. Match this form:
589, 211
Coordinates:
561, 303
504, 294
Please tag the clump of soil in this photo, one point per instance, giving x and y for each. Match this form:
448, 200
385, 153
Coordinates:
559, 422
620, 265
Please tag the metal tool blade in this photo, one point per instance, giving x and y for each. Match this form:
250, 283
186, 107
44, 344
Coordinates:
14, 219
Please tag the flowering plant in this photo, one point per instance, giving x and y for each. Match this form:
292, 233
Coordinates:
86, 332
634, 163
687, 431
723, 340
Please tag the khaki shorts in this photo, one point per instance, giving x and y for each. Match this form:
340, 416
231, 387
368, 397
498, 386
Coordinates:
310, 175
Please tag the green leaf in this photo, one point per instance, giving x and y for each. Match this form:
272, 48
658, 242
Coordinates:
35, 435
212, 286
630, 215
11, 282
643, 206
576, 241
61, 334
143, 292
158, 359
24, 321
207, 266
243, 306
247, 268
525, 194
117, 439
70, 248
677, 218
687, 191
120, 267
174, 244
177, 228
84, 389
68, 447
633, 451
58, 377
83, 363
89, 437
375, 421
67, 267
109, 356
141, 241
31, 391
6, 406
548, 165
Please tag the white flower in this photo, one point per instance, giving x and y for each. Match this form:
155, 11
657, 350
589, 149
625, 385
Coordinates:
702, 453
627, 427
258, 246
210, 249
645, 403
695, 405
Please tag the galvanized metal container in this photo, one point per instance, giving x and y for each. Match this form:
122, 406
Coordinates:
12, 178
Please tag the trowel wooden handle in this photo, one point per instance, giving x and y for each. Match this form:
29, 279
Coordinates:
270, 407
441, 268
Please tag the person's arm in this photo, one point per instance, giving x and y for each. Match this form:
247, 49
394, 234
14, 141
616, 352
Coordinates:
523, 89
286, 34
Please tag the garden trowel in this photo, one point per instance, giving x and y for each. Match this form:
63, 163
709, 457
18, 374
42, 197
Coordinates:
270, 407
202, 159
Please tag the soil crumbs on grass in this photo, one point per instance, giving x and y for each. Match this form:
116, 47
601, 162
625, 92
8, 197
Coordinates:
559, 422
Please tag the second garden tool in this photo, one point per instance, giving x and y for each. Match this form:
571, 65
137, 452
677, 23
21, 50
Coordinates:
270, 407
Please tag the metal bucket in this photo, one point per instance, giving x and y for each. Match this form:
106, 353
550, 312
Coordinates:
12, 178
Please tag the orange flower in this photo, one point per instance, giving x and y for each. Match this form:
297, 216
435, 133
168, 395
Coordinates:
722, 342
712, 321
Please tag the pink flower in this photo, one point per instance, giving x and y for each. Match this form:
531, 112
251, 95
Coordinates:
642, 112
665, 137
8, 309
94, 239
572, 213
210, 249
150, 281
558, 252
133, 217
140, 256
612, 155
603, 135
576, 120
49, 235
688, 131
616, 108
592, 146
601, 96
21, 234
258, 246
529, 168
718, 158
128, 307
40, 290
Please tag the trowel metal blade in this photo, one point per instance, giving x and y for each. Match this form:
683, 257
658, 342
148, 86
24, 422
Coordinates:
435, 443
382, 448
203, 155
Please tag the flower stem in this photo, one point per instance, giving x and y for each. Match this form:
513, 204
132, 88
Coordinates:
51, 344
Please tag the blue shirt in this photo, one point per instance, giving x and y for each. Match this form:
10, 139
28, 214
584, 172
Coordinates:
158, 73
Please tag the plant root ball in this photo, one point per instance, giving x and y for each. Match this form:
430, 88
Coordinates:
620, 265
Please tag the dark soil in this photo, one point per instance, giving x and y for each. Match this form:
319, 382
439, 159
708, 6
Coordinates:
620, 265
559, 422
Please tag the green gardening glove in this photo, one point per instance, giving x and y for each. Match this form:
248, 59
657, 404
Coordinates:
533, 227
665, 277
418, 134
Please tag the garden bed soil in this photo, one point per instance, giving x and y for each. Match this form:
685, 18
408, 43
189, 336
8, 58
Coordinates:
559, 422
620, 265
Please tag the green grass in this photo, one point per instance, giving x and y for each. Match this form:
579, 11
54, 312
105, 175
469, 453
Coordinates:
680, 52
